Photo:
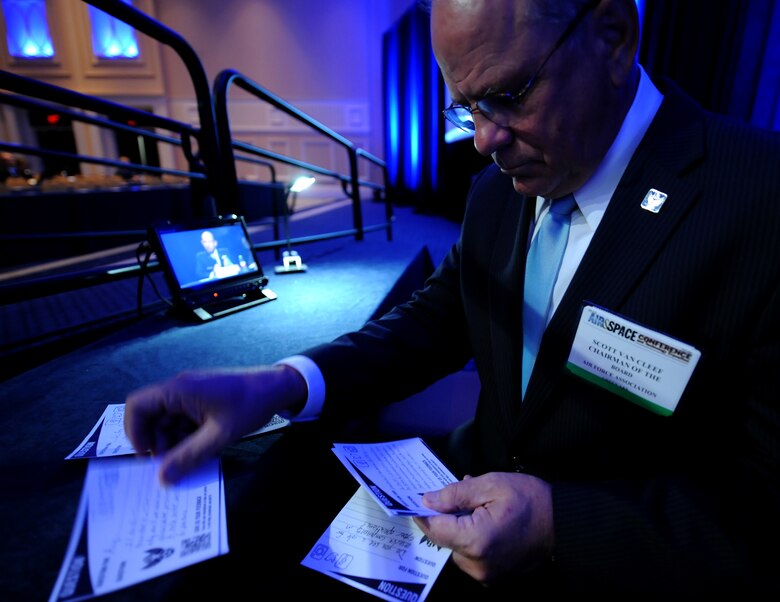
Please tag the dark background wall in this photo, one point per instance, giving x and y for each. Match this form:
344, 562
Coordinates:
725, 54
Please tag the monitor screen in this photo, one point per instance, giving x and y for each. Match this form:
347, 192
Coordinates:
200, 253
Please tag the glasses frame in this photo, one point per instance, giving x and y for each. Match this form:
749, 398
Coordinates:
515, 98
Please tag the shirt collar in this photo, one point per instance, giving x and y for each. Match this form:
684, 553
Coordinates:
593, 197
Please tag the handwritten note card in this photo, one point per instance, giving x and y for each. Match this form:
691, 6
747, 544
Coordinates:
396, 473
129, 528
386, 556
107, 438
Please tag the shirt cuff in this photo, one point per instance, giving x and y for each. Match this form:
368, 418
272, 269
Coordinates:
314, 382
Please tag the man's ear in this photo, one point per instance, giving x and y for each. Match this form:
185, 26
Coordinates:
617, 29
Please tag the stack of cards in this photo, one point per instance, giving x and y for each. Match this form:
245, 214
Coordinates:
373, 544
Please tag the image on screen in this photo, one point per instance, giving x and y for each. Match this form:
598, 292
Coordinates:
200, 256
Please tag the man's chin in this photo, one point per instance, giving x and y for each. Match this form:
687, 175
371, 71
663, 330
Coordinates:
531, 186
531, 179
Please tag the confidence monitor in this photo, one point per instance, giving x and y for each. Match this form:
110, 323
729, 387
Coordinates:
210, 266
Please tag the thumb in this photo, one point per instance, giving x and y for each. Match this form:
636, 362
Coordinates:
189, 453
453, 498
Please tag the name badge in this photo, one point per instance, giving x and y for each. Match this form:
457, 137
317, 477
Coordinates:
646, 367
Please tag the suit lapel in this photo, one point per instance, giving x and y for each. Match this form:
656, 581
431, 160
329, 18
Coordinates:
628, 238
505, 293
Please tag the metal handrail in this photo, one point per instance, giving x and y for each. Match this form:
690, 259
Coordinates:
63, 101
211, 172
351, 183
209, 148
43, 90
23, 149
203, 169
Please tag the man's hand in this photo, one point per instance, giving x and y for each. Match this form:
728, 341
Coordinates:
189, 418
496, 524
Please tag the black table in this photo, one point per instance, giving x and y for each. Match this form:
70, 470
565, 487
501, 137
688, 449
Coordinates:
283, 489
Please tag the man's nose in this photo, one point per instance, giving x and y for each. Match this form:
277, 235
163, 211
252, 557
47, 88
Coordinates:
489, 137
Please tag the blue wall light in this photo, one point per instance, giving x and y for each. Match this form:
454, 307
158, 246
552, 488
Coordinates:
412, 104
27, 30
112, 38
392, 105
412, 101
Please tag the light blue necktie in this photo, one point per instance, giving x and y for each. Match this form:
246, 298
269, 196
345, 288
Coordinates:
541, 272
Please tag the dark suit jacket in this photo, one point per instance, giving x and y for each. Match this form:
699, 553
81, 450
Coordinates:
204, 262
642, 503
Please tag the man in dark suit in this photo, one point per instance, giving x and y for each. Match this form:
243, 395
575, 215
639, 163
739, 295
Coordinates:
581, 484
213, 261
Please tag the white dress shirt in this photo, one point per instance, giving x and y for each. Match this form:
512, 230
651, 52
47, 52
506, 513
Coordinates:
593, 197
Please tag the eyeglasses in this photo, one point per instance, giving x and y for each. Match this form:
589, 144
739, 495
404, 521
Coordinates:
500, 107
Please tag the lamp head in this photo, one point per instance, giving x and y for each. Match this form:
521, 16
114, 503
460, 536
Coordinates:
301, 183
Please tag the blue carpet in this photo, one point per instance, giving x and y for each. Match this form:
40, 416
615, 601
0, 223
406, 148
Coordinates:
360, 278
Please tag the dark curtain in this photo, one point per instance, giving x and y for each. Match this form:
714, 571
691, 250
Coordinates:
724, 54
413, 92
424, 170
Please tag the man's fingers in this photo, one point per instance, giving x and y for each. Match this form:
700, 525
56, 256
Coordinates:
459, 497
141, 424
155, 418
190, 453
447, 530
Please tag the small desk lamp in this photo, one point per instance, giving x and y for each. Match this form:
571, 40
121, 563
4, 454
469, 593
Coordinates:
291, 261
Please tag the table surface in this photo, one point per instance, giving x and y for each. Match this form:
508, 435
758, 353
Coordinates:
282, 489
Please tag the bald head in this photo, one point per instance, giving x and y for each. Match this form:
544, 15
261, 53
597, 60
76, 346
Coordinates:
466, 21
535, 9
579, 57
208, 241
499, 20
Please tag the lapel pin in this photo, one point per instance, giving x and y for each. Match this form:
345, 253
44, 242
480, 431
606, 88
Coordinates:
653, 200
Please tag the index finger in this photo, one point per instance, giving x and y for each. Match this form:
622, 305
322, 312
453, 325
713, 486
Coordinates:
460, 497
145, 412
447, 530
